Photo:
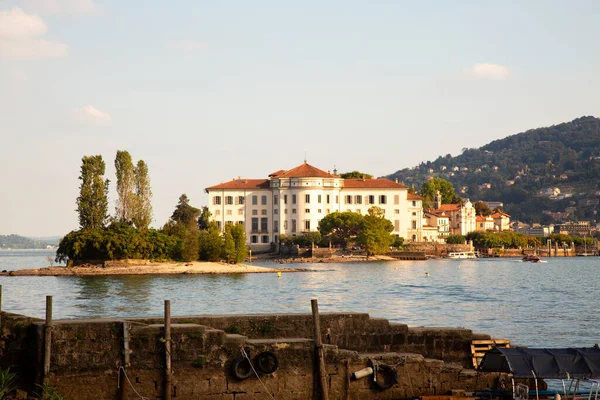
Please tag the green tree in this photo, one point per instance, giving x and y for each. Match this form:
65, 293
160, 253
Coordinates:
455, 239
482, 209
239, 238
125, 186
228, 248
341, 227
92, 203
183, 225
355, 175
446, 191
376, 232
204, 219
211, 243
142, 214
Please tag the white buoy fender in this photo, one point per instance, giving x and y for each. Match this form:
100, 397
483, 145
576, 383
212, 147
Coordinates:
362, 373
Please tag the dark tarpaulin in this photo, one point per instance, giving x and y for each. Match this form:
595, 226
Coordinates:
543, 363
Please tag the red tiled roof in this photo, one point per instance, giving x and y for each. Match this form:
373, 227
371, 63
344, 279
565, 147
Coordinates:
276, 173
449, 207
411, 196
380, 183
242, 184
303, 171
437, 213
480, 218
500, 214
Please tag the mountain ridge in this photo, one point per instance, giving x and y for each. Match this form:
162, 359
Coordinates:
522, 170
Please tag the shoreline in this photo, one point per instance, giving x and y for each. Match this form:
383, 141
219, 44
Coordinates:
192, 268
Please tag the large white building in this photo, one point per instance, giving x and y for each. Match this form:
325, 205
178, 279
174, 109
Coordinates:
293, 202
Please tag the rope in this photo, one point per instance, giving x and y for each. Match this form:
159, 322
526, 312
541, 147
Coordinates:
255, 373
130, 384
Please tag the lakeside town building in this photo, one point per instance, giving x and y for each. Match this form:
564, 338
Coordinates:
293, 202
461, 217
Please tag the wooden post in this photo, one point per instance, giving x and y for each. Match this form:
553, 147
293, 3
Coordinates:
0, 310
322, 372
47, 337
167, 349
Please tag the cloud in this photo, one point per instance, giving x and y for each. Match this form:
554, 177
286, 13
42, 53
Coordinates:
64, 7
20, 37
489, 71
17, 24
91, 115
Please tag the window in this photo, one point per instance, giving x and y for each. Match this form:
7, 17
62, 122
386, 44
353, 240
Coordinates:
382, 199
275, 226
414, 224
327, 199
307, 225
254, 200
414, 214
240, 223
254, 224
217, 212
228, 212
254, 212
264, 239
358, 200
319, 211
285, 211
241, 211
285, 199
307, 210
285, 225
275, 199
371, 199
219, 224
228, 222
327, 211
293, 211
337, 199
414, 203
263, 212
217, 200
263, 200
307, 198
414, 238
319, 199
228, 200
396, 199
293, 225
293, 199
397, 225
264, 224
396, 211
240, 199
275, 211
348, 199
254, 239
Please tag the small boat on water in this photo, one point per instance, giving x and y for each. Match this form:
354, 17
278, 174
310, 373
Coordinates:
457, 255
531, 258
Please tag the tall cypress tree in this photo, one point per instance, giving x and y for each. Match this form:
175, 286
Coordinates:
125, 186
142, 214
92, 203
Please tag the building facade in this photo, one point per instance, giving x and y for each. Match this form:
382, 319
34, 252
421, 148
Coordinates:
293, 202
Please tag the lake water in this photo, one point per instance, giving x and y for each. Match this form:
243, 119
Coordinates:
553, 304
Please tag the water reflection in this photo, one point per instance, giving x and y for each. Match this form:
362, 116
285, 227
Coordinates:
532, 304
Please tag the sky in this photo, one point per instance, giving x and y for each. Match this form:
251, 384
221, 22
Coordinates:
207, 91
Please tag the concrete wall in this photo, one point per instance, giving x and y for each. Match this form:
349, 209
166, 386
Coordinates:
87, 354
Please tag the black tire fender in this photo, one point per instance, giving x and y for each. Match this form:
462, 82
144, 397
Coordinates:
390, 377
241, 368
266, 362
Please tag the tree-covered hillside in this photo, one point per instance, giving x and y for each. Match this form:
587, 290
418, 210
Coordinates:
21, 242
522, 171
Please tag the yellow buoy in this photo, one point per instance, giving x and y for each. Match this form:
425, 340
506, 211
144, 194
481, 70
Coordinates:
279, 274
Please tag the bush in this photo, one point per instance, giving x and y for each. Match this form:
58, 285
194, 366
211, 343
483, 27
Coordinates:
455, 239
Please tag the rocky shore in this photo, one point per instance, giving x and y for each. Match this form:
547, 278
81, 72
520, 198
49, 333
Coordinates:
195, 267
